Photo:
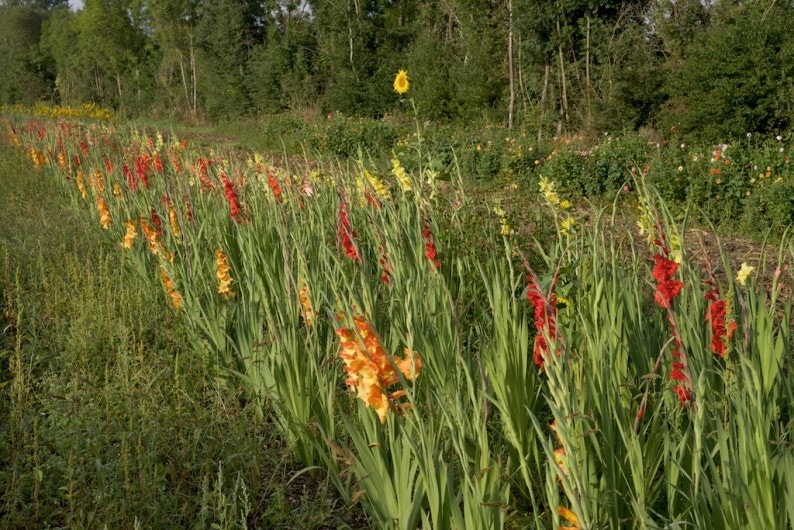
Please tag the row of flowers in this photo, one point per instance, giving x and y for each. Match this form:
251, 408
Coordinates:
299, 280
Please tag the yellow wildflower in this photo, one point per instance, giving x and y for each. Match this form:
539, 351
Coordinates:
549, 190
504, 228
567, 225
744, 273
222, 272
401, 84
117, 193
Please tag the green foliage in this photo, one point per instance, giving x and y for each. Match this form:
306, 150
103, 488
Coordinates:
737, 77
27, 75
346, 137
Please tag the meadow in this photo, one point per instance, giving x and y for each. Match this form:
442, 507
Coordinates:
206, 336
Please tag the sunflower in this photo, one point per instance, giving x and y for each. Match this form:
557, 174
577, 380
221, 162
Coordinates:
401, 84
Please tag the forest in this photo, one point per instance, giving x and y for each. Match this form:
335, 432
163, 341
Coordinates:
714, 70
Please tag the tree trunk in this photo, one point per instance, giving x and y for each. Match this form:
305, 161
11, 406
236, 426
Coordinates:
194, 74
588, 86
512, 102
564, 83
184, 78
543, 97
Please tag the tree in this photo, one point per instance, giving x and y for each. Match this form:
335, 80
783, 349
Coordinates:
43, 5
737, 76
27, 76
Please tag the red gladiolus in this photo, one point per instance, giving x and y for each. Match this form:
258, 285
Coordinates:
141, 166
720, 332
231, 198
684, 395
346, 235
385, 267
274, 186
667, 288
677, 373
108, 165
663, 268
545, 320
203, 169
431, 252
666, 291
174, 162
158, 225
83, 148
372, 201
158, 164
129, 177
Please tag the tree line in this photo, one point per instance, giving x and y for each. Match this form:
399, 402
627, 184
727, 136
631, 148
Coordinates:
716, 68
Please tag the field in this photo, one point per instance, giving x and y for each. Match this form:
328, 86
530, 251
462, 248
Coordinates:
202, 335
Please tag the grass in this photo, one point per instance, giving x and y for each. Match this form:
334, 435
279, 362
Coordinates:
107, 418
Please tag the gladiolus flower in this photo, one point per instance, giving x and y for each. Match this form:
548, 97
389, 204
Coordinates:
130, 235
141, 167
402, 177
151, 235
231, 198
172, 219
274, 186
306, 305
684, 395
129, 177
380, 190
81, 183
430, 247
222, 273
744, 273
104, 213
569, 516
720, 332
168, 283
158, 225
545, 320
371, 370
345, 234
667, 288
